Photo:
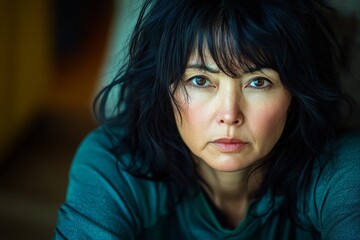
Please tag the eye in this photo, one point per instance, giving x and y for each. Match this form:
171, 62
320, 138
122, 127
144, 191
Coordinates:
259, 82
200, 82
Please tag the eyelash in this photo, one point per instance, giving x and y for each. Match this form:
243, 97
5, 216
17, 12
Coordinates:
208, 83
266, 81
191, 81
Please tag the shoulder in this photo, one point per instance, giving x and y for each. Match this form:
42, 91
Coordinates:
348, 150
333, 197
96, 150
343, 159
343, 165
106, 198
95, 159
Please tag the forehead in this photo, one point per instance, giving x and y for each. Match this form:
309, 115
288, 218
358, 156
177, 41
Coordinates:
206, 60
204, 57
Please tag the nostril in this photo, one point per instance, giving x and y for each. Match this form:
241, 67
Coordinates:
236, 122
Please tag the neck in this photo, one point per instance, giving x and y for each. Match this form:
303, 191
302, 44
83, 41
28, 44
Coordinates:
229, 185
231, 192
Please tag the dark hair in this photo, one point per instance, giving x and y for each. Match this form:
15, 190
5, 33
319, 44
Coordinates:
291, 37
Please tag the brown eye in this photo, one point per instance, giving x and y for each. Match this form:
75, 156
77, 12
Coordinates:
199, 81
259, 82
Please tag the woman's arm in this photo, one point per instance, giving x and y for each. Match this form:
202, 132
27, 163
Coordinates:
103, 201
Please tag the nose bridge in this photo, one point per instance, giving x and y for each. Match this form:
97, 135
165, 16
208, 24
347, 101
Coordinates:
230, 111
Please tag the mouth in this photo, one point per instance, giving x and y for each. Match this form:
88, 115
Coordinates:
229, 145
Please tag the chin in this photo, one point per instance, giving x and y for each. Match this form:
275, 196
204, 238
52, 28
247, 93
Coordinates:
229, 165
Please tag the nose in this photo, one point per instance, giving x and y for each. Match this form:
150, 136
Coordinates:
229, 112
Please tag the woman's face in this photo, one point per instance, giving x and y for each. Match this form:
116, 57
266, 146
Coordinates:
230, 123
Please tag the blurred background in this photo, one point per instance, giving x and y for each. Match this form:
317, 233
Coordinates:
55, 55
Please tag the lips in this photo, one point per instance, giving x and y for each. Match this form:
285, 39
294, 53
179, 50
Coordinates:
229, 145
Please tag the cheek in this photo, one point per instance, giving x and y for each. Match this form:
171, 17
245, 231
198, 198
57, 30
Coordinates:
191, 119
192, 114
267, 123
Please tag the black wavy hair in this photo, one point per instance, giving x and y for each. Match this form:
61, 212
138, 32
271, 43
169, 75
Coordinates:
291, 37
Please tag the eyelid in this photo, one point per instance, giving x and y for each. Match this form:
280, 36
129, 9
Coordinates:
269, 82
189, 80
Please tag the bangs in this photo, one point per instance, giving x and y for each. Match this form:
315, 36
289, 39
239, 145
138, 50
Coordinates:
238, 36
232, 54
235, 43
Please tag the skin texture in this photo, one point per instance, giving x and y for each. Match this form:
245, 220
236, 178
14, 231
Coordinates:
250, 109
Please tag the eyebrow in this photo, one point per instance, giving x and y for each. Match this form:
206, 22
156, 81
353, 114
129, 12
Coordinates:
252, 69
203, 67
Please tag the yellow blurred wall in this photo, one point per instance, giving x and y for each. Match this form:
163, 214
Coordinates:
24, 64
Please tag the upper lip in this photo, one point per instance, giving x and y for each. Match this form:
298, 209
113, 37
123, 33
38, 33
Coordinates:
228, 140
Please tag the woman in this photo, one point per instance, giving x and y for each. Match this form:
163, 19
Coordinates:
227, 127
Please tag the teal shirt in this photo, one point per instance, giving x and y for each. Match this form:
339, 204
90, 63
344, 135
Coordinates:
105, 202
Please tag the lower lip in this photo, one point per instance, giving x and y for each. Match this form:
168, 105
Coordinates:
229, 147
